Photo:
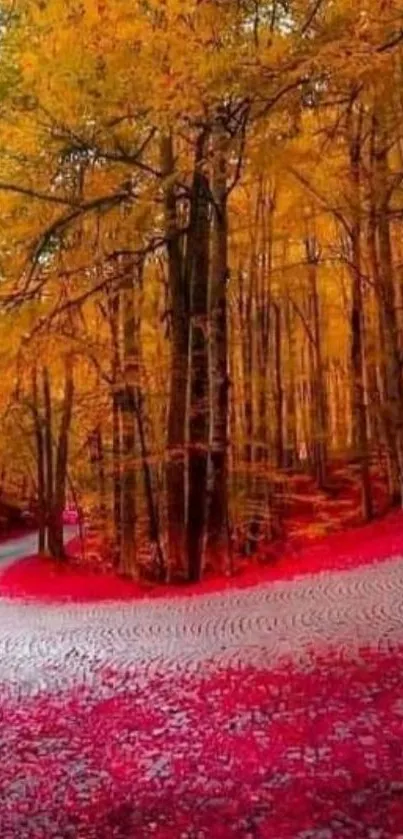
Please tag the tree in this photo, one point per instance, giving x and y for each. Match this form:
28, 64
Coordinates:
201, 210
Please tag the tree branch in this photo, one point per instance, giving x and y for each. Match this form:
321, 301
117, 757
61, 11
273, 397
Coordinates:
311, 16
37, 194
393, 42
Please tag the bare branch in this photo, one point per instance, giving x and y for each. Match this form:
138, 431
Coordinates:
37, 194
393, 42
311, 16
321, 198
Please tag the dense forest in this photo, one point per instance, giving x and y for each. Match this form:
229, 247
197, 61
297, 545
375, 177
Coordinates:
201, 269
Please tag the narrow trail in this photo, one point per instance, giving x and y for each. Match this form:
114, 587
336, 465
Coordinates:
17, 548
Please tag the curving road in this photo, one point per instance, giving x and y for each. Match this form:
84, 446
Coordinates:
22, 546
17, 548
55, 646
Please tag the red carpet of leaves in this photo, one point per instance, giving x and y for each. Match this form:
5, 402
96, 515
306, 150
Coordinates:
248, 754
43, 579
280, 755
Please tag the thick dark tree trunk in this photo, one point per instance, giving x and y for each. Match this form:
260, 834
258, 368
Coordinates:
385, 361
359, 406
357, 348
393, 407
198, 259
217, 527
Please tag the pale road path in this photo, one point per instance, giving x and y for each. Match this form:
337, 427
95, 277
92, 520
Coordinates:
17, 548
58, 646
22, 546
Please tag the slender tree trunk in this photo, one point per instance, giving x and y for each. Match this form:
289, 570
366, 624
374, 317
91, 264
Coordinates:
248, 355
319, 385
48, 420
101, 478
117, 470
248, 338
290, 453
127, 563
61, 465
177, 411
128, 548
40, 464
97, 461
152, 507
279, 386
114, 300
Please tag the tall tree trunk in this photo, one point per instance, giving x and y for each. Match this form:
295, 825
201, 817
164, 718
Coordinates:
248, 358
359, 408
114, 301
40, 464
319, 385
61, 465
388, 305
128, 551
48, 421
178, 389
198, 257
278, 385
248, 338
97, 460
217, 530
385, 355
117, 470
127, 562
290, 449
152, 506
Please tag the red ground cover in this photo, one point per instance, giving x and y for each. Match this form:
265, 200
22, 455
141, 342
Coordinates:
44, 579
237, 755
306, 506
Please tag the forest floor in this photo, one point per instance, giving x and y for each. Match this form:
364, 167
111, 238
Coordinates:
323, 532
273, 711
